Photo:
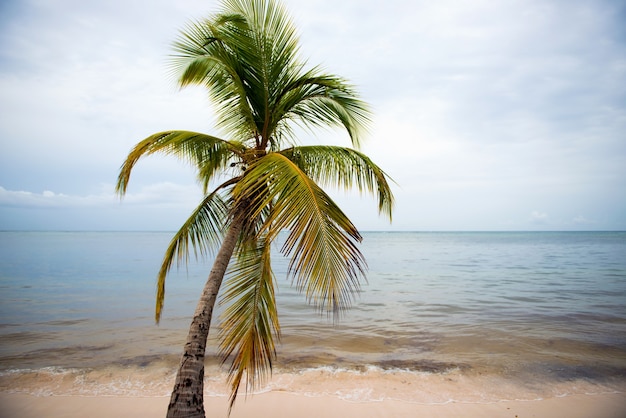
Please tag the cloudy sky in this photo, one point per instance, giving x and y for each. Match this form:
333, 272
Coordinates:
489, 115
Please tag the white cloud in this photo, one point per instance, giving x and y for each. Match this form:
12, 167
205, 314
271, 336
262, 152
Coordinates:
160, 206
46, 199
538, 217
160, 194
583, 221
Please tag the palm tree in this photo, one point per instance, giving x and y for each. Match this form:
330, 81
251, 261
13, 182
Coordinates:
259, 182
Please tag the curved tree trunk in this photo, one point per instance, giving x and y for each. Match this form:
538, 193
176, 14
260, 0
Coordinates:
188, 394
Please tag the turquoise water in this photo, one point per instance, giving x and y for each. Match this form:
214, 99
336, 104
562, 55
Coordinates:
540, 309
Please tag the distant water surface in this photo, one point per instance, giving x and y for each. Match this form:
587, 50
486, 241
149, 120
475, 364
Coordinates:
544, 312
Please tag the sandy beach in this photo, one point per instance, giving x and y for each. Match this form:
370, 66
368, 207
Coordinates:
285, 405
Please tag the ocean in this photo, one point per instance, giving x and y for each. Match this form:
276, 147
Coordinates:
443, 316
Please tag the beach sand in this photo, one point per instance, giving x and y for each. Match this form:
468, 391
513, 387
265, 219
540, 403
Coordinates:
285, 405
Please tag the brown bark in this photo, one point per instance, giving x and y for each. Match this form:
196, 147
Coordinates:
187, 398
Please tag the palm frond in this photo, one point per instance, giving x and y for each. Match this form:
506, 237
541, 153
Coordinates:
269, 53
207, 53
240, 55
319, 100
250, 321
208, 153
325, 261
200, 233
344, 168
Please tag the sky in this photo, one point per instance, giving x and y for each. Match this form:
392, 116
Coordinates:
488, 115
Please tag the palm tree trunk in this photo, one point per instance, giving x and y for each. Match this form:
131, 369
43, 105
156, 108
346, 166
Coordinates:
188, 394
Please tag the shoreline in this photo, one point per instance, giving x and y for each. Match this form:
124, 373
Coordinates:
369, 385
288, 405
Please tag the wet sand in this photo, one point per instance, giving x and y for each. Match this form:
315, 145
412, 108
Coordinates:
285, 405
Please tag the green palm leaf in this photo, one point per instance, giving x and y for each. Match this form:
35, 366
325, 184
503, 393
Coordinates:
205, 55
250, 321
344, 168
248, 59
325, 260
319, 100
201, 233
208, 153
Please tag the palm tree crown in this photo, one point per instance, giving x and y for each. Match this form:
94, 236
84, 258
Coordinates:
258, 180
